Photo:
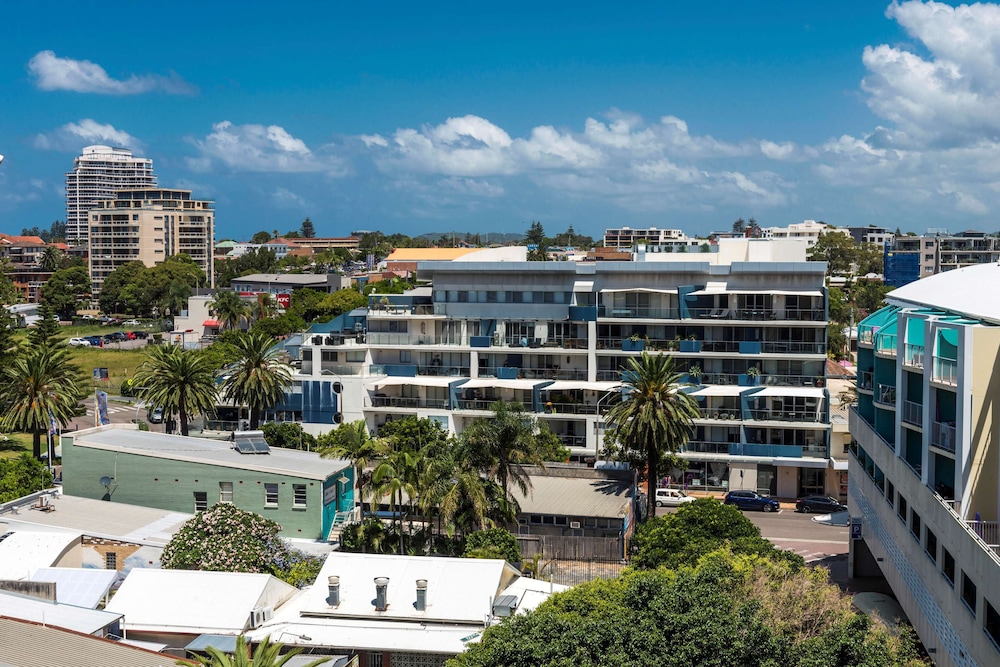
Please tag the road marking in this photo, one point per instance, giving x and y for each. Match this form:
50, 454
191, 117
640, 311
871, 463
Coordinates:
806, 540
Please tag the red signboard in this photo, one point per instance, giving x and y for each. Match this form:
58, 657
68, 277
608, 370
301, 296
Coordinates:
283, 300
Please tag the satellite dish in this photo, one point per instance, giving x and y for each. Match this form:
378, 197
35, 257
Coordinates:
105, 481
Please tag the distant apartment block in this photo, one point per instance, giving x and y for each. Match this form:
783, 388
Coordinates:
626, 238
872, 234
809, 230
98, 174
746, 325
149, 226
910, 258
925, 460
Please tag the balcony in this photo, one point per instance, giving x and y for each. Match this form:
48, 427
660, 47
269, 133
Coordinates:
866, 381
725, 414
885, 344
407, 402
786, 415
446, 371
759, 314
885, 394
706, 448
638, 312
945, 371
943, 436
411, 339
866, 335
913, 356
913, 413
476, 403
570, 408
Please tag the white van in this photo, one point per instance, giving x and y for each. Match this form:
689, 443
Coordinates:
672, 498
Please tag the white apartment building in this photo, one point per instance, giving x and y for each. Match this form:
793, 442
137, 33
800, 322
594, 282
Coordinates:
746, 324
149, 226
626, 238
926, 461
98, 173
810, 230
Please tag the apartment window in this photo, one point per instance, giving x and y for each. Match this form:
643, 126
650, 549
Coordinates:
561, 521
200, 500
536, 519
991, 624
270, 495
225, 492
915, 525
299, 498
930, 546
890, 492
969, 593
901, 508
111, 561
948, 566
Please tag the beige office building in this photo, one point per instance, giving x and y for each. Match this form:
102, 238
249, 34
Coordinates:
150, 225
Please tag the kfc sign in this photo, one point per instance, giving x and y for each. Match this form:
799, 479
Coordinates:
283, 300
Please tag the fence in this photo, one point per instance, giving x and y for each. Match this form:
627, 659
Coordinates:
573, 560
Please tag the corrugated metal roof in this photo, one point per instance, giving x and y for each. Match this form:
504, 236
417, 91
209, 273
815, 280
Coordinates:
27, 644
79, 619
23, 550
573, 496
428, 254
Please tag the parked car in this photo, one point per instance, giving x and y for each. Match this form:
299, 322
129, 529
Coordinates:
824, 504
141, 335
156, 415
115, 337
672, 498
129, 335
132, 323
751, 500
78, 342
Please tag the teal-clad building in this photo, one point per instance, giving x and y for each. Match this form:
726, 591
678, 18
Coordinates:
306, 494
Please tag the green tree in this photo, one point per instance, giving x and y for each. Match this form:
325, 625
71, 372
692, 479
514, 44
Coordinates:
739, 226
22, 476
229, 308
51, 258
493, 543
288, 435
278, 327
39, 385
263, 307
340, 302
535, 234
256, 260
260, 237
394, 475
838, 250
698, 528
9, 293
352, 441
65, 290
501, 445
305, 303
266, 655
869, 296
179, 380
47, 328
653, 417
110, 298
308, 230
259, 379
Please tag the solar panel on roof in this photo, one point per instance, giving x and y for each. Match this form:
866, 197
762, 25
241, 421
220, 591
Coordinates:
251, 445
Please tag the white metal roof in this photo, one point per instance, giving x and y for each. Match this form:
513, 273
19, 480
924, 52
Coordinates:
195, 602
22, 551
501, 384
809, 392
80, 619
567, 385
78, 586
365, 634
127, 438
33, 644
420, 380
958, 291
719, 390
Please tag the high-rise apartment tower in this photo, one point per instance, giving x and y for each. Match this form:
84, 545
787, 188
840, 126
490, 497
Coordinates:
98, 174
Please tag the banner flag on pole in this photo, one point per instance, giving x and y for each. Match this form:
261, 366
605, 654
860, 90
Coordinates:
102, 409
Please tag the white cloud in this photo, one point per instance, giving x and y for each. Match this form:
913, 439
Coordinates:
72, 137
261, 148
285, 198
82, 76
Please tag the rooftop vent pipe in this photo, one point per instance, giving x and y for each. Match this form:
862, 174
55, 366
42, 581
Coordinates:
381, 593
421, 604
333, 586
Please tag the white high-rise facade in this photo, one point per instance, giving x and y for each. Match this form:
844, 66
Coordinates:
98, 174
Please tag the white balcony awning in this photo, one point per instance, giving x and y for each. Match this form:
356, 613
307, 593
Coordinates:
569, 385
711, 288
804, 462
420, 381
583, 286
502, 384
720, 390
808, 392
639, 289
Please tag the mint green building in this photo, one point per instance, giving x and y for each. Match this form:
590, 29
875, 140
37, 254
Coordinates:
306, 494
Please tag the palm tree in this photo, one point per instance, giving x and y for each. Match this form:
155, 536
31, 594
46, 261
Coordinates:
354, 443
653, 418
50, 259
40, 385
181, 381
258, 379
500, 446
228, 308
393, 476
263, 308
266, 655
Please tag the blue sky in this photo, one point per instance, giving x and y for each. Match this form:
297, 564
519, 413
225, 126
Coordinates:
413, 118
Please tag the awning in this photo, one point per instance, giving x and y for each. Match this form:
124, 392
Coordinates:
583, 286
774, 291
569, 385
711, 288
808, 392
803, 462
420, 381
720, 390
210, 323
502, 384
640, 289
839, 465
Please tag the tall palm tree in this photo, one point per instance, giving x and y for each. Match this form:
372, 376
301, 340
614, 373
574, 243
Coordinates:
501, 445
263, 308
259, 379
653, 418
228, 308
393, 476
354, 443
266, 655
182, 381
50, 259
40, 384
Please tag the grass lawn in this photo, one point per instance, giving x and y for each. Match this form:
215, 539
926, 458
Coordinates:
121, 364
13, 445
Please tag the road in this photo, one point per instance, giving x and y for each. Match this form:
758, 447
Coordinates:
787, 529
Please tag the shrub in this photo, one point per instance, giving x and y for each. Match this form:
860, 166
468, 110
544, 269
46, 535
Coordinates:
493, 543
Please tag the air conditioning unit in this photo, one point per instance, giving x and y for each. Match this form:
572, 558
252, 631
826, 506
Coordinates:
575, 525
317, 340
330, 340
256, 618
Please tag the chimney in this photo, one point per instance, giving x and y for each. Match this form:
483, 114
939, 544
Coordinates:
381, 592
421, 603
333, 587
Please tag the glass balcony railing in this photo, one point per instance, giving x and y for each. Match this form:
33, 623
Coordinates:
866, 334
943, 436
885, 344
407, 402
945, 371
913, 355
786, 415
885, 394
866, 380
913, 413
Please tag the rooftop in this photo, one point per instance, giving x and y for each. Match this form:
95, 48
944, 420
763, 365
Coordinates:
195, 602
286, 278
428, 254
78, 586
959, 291
32, 644
80, 619
571, 496
22, 551
127, 438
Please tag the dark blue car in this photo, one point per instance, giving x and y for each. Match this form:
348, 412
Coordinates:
751, 500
